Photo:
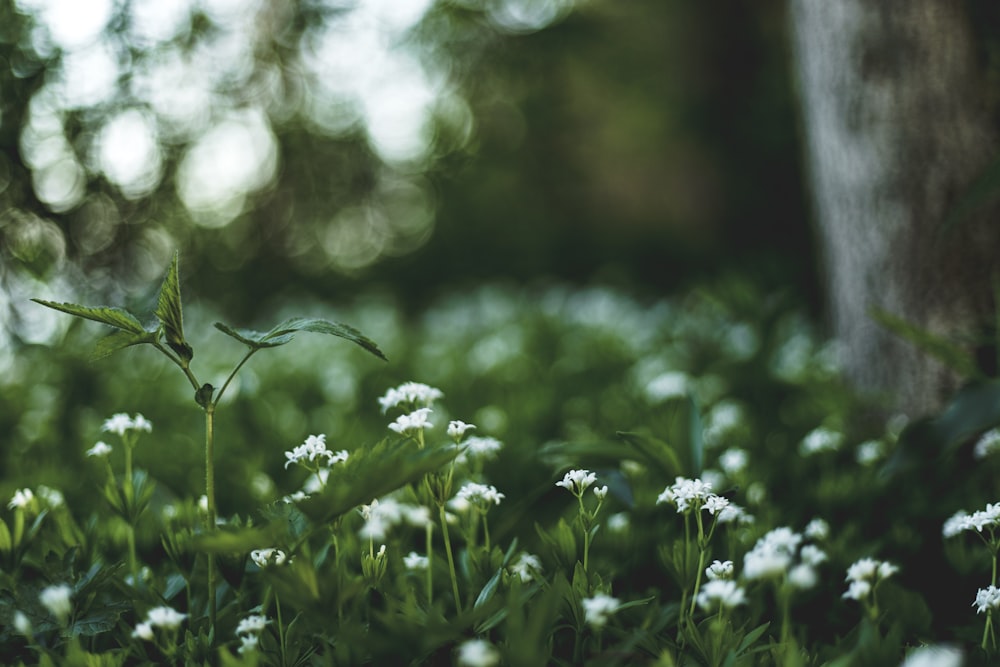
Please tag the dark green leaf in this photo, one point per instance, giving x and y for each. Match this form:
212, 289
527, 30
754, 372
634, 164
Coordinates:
752, 636
285, 332
119, 340
169, 313
242, 540
938, 347
655, 451
114, 317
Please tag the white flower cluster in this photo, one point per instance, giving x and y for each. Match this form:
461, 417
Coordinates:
99, 450
266, 557
382, 515
414, 561
820, 439
22, 499
719, 570
672, 384
458, 428
721, 594
863, 575
56, 599
312, 449
158, 617
733, 461
120, 423
934, 656
598, 609
988, 518
527, 567
577, 481
479, 447
987, 599
480, 495
477, 653
869, 452
987, 444
249, 631
413, 421
695, 494
410, 393
774, 556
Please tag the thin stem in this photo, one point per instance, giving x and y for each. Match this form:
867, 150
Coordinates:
451, 559
133, 565
281, 630
210, 495
182, 364
428, 531
232, 375
486, 535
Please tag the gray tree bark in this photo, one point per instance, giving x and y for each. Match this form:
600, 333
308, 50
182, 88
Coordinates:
895, 130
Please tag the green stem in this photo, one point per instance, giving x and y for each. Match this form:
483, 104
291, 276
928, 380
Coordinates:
182, 364
281, 631
451, 558
232, 375
486, 535
702, 552
210, 495
430, 563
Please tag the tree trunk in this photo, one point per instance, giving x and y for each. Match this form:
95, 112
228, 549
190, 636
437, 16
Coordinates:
896, 128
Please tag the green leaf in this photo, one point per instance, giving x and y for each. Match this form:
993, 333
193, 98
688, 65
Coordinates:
751, 637
113, 317
238, 541
285, 332
119, 340
168, 312
695, 436
655, 450
938, 347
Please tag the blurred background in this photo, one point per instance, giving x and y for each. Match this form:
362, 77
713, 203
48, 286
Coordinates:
421, 169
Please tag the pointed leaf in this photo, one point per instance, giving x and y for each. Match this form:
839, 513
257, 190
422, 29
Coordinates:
114, 317
119, 340
285, 332
169, 313
655, 450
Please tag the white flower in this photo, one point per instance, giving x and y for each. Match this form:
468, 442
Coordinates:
987, 599
143, 631
733, 461
475, 447
411, 393
869, 452
618, 522
203, 503
733, 513
165, 617
988, 443
414, 561
721, 593
601, 492
955, 524
715, 504
140, 423
772, 555
866, 568
56, 599
477, 653
802, 576
812, 555
685, 493
886, 570
252, 624
22, 624
266, 557
858, 590
248, 643
22, 499
672, 384
51, 497
817, 529
456, 429
414, 421
480, 494
599, 608
527, 567
577, 481
314, 448
719, 570
977, 521
117, 424
101, 449
934, 656
819, 440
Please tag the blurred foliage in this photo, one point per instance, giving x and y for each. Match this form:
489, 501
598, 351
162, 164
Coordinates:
641, 143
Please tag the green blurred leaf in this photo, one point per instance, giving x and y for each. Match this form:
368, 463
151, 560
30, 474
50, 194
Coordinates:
655, 451
168, 312
119, 340
118, 318
285, 332
695, 437
938, 347
243, 540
